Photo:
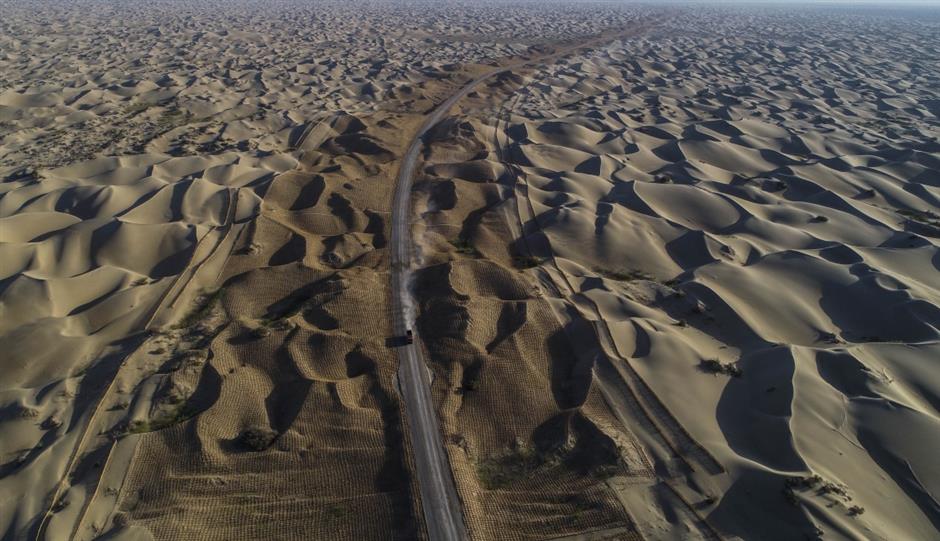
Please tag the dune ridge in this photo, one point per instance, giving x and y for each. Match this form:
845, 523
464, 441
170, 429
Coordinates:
686, 211
677, 283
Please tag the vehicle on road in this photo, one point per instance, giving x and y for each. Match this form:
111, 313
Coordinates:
409, 337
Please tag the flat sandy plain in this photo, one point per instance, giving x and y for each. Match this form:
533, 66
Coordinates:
675, 273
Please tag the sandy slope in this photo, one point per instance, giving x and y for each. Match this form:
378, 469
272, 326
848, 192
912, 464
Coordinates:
193, 271
297, 365
192, 226
692, 203
93, 253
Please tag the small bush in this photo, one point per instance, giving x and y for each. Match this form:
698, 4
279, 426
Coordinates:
27, 412
528, 261
714, 366
500, 471
51, 422
136, 108
809, 481
472, 381
119, 405
924, 217
137, 427
257, 438
173, 118
121, 520
260, 332
463, 246
821, 486
336, 511
662, 179
521, 462
180, 413
204, 304
631, 275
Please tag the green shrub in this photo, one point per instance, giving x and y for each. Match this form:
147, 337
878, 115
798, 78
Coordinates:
257, 438
463, 246
528, 261
714, 366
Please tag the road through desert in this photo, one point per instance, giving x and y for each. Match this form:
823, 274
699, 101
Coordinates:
475, 270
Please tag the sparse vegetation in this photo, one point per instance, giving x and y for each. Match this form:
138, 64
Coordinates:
51, 423
516, 464
714, 366
251, 249
257, 438
521, 462
204, 305
135, 427
471, 380
278, 319
631, 275
924, 217
182, 412
27, 412
173, 118
581, 503
119, 405
336, 511
261, 332
121, 520
135, 108
527, 261
463, 246
193, 358
823, 487
809, 481
60, 504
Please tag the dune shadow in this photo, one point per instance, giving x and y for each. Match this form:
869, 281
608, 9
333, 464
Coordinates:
754, 410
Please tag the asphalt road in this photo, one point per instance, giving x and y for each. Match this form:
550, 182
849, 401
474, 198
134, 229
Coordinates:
439, 498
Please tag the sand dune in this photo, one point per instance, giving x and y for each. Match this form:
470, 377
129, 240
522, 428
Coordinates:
677, 283
713, 215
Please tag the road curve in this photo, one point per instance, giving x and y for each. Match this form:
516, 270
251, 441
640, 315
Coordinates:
439, 498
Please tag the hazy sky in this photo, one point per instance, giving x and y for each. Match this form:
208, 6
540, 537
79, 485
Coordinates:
885, 3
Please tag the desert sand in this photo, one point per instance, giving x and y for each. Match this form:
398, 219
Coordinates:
672, 272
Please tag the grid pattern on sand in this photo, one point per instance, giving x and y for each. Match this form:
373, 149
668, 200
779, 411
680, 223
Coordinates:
301, 435
529, 437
